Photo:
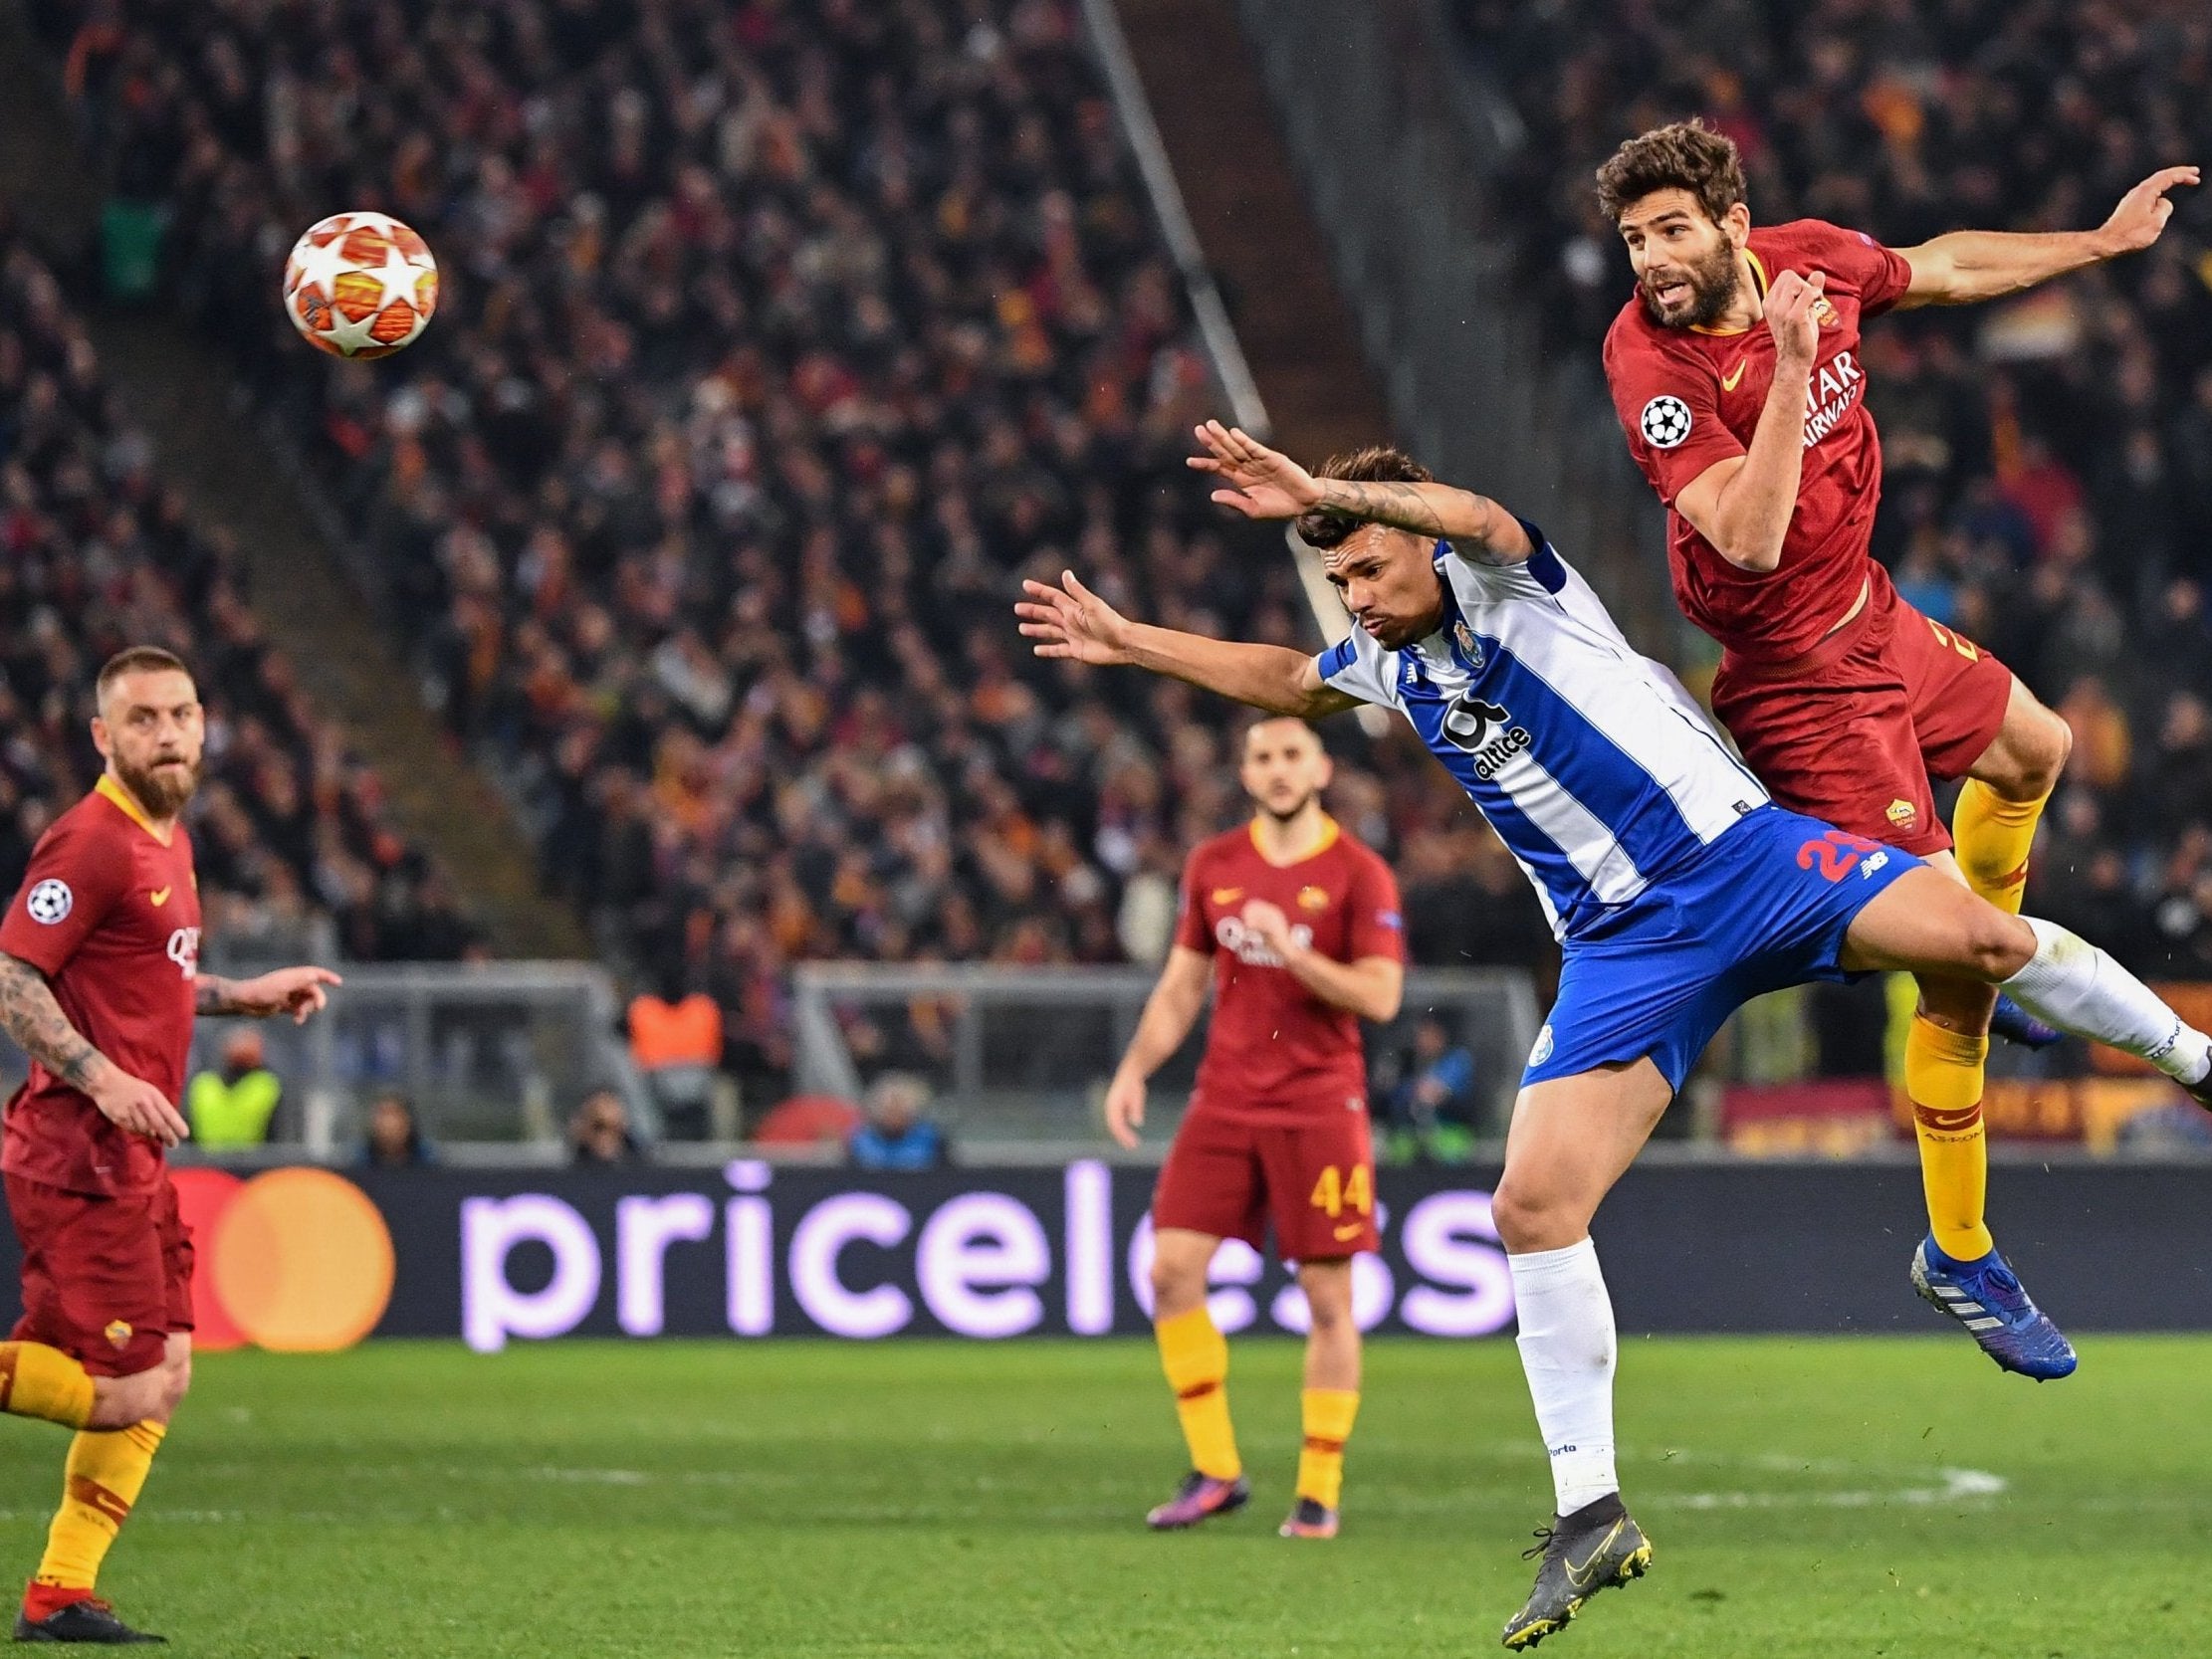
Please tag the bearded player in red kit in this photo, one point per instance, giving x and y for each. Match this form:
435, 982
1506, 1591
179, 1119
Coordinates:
98, 985
1844, 699
1297, 926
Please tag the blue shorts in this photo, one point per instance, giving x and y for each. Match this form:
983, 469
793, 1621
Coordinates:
1765, 906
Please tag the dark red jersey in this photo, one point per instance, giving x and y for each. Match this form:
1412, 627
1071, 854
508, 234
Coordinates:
1691, 397
109, 912
1274, 1049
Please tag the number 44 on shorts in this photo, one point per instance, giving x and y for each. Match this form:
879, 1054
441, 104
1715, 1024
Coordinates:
1333, 1194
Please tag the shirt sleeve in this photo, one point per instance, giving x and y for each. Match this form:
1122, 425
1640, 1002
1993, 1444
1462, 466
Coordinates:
1880, 273
1378, 928
1670, 408
1356, 664
73, 881
1191, 930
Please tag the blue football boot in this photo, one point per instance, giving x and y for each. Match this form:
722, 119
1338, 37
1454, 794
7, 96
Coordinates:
2017, 1026
1986, 1298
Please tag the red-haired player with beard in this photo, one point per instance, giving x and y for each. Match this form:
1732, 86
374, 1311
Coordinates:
1296, 924
1844, 699
99, 984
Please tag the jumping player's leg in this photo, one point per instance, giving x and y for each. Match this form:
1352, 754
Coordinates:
1330, 1403
1994, 824
1925, 923
1571, 1139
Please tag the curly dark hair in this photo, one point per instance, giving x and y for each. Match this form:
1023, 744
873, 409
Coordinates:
1375, 464
1683, 155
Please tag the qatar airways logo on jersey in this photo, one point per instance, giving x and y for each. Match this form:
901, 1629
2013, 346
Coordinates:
1249, 949
1838, 388
184, 951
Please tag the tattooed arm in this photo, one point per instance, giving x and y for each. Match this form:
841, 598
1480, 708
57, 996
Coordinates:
1268, 485
30, 1015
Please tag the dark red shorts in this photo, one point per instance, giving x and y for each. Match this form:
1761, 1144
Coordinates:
1314, 1178
1851, 732
104, 1280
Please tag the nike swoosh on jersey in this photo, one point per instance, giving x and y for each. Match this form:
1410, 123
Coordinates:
160, 896
1728, 380
1228, 895
1351, 1231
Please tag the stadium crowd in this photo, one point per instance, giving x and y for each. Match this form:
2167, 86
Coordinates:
2049, 486
96, 553
777, 341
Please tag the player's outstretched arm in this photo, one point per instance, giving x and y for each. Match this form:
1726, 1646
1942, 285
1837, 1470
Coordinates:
1073, 624
1962, 267
1268, 485
30, 1015
1170, 1012
298, 991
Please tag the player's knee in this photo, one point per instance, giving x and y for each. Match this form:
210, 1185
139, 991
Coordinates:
1529, 1218
176, 1383
120, 1401
1998, 945
2037, 750
1176, 1286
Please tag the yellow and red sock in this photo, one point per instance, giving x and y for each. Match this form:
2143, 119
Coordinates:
1328, 1415
105, 1472
1994, 837
41, 1382
1943, 1080
1195, 1355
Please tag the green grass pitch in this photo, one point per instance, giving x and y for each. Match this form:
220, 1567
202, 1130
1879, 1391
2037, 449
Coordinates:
1827, 1497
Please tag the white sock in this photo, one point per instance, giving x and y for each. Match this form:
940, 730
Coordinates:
2071, 984
1567, 1353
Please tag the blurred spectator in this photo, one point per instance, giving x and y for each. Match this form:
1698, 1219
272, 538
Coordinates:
600, 1133
675, 1044
231, 1105
896, 1135
394, 1140
1431, 1111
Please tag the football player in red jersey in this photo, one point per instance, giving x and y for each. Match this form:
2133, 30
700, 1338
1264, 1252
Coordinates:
99, 984
1844, 699
1297, 926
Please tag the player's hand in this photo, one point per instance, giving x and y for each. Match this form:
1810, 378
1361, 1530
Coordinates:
2142, 213
1072, 622
135, 1106
298, 991
1266, 485
1125, 1108
1268, 923
1793, 317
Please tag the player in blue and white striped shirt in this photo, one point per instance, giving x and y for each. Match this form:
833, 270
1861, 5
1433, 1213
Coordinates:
1677, 889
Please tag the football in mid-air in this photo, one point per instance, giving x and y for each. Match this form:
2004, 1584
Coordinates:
361, 284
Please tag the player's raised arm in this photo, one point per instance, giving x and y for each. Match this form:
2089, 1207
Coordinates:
1742, 505
1071, 623
1961, 267
1268, 485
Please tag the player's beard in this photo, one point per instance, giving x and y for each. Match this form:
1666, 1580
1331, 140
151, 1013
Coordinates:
1288, 816
162, 789
1712, 287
